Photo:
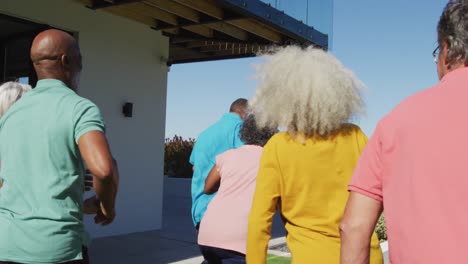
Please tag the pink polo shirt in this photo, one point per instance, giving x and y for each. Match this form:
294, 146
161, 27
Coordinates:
224, 224
417, 164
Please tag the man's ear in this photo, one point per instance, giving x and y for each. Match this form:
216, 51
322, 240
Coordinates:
65, 61
243, 115
445, 52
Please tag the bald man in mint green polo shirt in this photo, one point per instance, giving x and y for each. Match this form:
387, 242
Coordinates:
43, 139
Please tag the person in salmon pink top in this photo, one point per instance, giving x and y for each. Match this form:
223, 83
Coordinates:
305, 170
415, 165
223, 229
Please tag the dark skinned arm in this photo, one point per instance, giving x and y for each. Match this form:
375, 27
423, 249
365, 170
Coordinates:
212, 181
96, 153
92, 205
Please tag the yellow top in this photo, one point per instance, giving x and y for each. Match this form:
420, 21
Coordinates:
308, 180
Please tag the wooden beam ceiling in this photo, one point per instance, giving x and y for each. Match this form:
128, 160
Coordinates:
195, 17
130, 14
175, 9
257, 29
96, 4
172, 11
198, 29
201, 30
208, 7
134, 10
232, 49
153, 12
229, 30
199, 43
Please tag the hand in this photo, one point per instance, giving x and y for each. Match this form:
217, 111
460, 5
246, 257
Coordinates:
103, 217
88, 181
91, 205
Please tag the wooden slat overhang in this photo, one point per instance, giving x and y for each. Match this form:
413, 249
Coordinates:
205, 30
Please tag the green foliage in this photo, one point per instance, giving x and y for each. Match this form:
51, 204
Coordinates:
176, 157
381, 229
272, 259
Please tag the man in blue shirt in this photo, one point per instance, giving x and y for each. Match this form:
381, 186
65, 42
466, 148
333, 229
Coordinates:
218, 138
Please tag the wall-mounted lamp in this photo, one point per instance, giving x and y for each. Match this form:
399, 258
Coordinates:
127, 109
163, 60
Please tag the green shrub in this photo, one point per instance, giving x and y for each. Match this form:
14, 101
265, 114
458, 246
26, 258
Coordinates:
176, 157
381, 229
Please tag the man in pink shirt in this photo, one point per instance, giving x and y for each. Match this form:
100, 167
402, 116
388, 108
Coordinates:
415, 165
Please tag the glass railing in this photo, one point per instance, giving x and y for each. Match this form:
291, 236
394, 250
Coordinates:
315, 13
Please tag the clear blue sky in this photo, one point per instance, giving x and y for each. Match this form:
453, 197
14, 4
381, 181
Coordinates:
388, 44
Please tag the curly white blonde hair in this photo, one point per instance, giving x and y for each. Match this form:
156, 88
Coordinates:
10, 92
306, 90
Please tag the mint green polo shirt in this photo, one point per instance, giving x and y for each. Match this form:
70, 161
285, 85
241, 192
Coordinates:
43, 174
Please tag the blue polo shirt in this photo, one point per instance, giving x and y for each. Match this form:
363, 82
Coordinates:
42, 170
218, 138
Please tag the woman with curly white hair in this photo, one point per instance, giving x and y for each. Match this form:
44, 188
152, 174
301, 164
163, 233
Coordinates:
10, 92
305, 170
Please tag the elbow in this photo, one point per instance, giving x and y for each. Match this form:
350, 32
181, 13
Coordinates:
103, 173
355, 230
344, 229
347, 227
104, 170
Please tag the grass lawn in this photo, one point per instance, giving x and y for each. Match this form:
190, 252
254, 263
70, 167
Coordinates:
272, 259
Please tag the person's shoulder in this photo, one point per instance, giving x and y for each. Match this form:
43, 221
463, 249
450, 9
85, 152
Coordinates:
218, 127
230, 153
80, 106
279, 138
351, 128
68, 96
229, 120
416, 100
80, 102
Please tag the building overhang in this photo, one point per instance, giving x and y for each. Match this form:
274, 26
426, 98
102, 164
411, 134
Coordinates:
205, 30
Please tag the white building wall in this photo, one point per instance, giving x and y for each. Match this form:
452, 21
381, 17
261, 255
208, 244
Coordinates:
121, 61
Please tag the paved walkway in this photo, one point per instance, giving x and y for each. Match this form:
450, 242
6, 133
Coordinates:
175, 243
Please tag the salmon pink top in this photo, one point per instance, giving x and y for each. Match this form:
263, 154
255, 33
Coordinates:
225, 222
416, 164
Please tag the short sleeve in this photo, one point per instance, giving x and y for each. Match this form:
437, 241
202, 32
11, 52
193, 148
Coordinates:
192, 155
237, 141
221, 160
367, 177
361, 140
87, 117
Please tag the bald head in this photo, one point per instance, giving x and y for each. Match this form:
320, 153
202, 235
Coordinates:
239, 107
56, 55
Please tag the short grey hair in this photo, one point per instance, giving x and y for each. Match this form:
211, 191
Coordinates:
453, 30
239, 105
10, 92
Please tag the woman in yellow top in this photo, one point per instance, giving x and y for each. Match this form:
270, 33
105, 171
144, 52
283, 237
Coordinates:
305, 171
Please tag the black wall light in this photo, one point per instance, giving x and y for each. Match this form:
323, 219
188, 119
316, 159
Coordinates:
127, 109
